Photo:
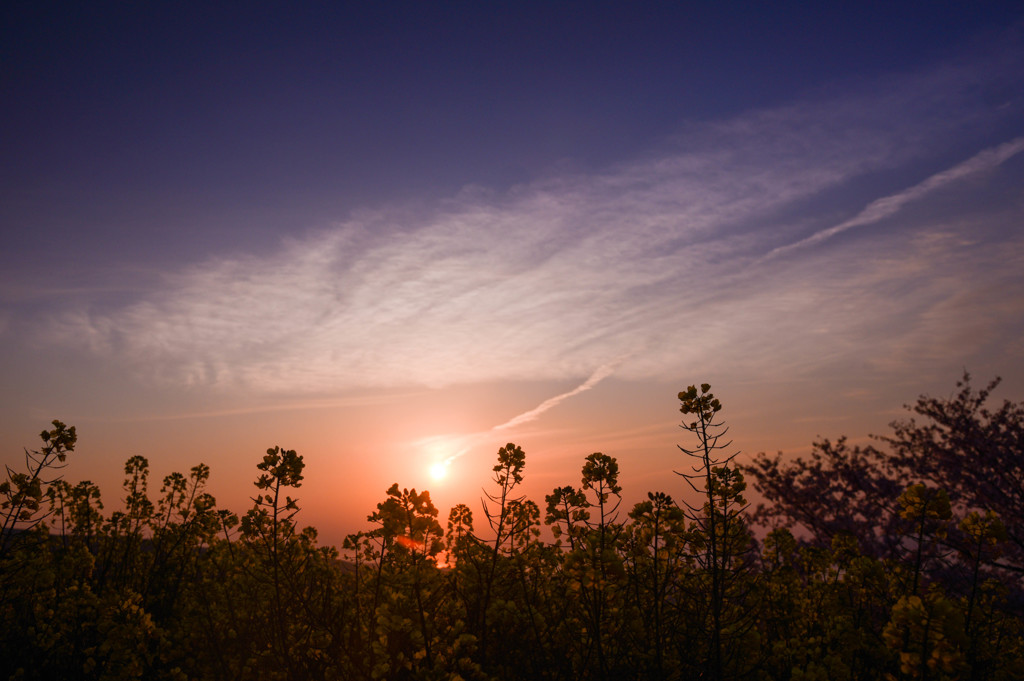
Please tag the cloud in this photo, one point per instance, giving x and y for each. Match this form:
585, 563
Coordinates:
602, 372
448, 448
660, 261
882, 208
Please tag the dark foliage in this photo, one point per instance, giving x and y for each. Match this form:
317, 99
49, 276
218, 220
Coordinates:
899, 560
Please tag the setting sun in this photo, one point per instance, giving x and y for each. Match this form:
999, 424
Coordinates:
439, 470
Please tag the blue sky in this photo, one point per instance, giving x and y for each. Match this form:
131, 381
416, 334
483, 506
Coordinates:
418, 232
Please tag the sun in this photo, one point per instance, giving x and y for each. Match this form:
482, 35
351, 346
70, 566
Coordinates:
439, 471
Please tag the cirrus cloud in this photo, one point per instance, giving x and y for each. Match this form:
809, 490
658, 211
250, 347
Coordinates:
724, 246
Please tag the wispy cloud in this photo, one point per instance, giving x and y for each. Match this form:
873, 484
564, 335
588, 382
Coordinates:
599, 375
660, 261
448, 448
882, 208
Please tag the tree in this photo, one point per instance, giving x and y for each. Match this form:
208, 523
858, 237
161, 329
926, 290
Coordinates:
839, 489
973, 453
940, 500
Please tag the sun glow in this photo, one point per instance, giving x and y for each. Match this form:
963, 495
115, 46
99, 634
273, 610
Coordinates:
439, 471
440, 451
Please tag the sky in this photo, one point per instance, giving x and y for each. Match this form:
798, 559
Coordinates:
398, 235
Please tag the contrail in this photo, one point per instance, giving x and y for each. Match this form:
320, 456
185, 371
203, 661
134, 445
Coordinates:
466, 442
602, 373
884, 207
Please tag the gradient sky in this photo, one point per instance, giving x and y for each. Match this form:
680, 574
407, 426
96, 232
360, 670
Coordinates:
392, 234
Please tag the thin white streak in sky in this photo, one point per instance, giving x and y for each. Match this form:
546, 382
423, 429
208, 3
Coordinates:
884, 207
602, 373
466, 442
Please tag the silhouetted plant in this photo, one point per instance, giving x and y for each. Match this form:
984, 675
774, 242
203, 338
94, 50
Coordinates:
879, 576
22, 493
508, 474
718, 534
654, 548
